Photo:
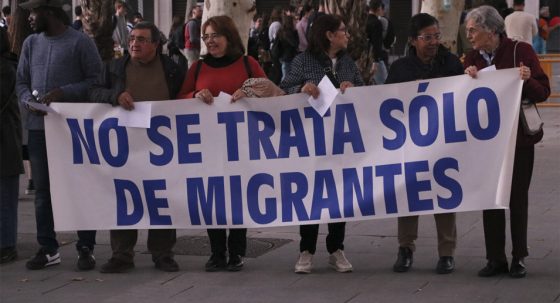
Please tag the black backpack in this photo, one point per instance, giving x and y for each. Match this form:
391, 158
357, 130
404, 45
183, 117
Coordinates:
179, 36
275, 49
390, 37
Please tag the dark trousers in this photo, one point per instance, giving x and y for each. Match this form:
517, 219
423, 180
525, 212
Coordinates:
160, 243
495, 219
236, 242
9, 191
309, 233
46, 237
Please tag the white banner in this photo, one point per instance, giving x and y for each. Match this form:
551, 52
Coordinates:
423, 147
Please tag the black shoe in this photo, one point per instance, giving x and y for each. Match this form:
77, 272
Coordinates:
404, 260
30, 190
235, 263
518, 268
86, 260
166, 263
42, 259
493, 268
445, 265
8, 254
216, 262
116, 266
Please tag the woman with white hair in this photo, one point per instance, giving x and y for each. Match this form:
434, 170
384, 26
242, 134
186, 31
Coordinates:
485, 30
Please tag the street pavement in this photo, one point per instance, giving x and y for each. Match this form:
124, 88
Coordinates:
371, 246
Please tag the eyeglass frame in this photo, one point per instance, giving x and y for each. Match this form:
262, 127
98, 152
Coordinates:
430, 37
139, 39
212, 36
471, 31
344, 30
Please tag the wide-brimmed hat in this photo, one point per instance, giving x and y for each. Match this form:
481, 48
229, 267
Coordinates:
31, 4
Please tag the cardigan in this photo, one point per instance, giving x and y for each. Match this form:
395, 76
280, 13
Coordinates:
535, 89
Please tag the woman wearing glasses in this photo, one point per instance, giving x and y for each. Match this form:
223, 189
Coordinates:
426, 59
485, 31
224, 68
325, 56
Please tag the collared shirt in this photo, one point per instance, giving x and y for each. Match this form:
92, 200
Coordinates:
487, 57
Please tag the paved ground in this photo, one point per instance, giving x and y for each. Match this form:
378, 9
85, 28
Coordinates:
370, 245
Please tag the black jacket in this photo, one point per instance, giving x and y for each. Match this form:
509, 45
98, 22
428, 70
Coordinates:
410, 68
112, 80
11, 163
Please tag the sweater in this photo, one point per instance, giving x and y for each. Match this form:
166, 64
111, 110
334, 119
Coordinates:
536, 88
219, 75
68, 61
112, 81
410, 68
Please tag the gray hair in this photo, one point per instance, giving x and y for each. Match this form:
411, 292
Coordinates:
488, 18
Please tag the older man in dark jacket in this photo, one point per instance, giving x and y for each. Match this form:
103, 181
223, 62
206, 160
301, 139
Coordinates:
144, 75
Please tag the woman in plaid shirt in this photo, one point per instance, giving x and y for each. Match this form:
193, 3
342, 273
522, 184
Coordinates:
325, 55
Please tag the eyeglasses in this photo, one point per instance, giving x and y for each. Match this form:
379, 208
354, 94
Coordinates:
212, 36
139, 39
344, 30
429, 38
472, 30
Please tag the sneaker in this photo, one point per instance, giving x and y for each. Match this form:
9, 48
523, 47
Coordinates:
235, 263
116, 266
86, 260
338, 261
216, 262
304, 263
8, 254
42, 259
167, 264
30, 190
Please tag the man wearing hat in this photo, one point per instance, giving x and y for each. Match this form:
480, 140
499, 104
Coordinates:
59, 63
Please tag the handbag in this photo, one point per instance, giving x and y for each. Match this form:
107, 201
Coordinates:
530, 118
531, 121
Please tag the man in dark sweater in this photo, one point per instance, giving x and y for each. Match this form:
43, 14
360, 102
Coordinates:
59, 63
426, 59
144, 75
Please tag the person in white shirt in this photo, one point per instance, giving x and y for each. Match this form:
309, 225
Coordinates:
521, 25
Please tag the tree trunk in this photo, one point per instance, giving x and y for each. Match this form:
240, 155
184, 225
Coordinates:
97, 19
241, 11
448, 13
354, 14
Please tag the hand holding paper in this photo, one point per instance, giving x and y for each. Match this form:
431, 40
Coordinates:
40, 107
326, 97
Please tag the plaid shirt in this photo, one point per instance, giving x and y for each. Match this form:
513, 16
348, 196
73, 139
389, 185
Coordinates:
307, 68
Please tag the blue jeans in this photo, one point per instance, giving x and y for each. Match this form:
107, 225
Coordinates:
539, 44
9, 191
286, 67
46, 237
380, 74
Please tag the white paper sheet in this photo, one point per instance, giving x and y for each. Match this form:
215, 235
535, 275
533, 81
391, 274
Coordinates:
223, 97
326, 96
490, 68
139, 117
40, 106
